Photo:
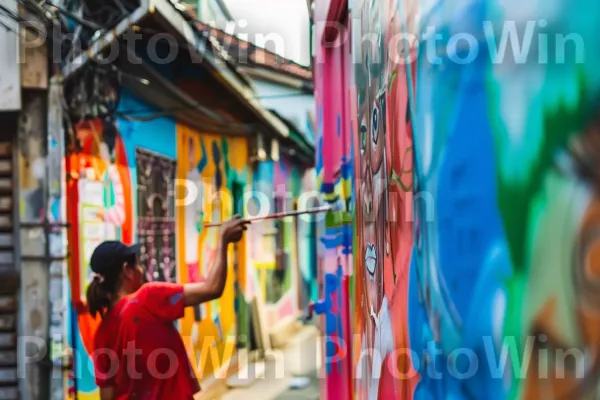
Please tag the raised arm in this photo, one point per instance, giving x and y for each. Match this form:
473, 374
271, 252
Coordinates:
212, 288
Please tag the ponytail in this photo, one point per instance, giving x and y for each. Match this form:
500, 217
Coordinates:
102, 287
97, 298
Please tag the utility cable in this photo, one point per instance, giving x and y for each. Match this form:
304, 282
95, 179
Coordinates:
8, 28
82, 22
17, 19
95, 104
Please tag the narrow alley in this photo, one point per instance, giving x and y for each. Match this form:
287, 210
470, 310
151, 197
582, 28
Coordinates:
301, 199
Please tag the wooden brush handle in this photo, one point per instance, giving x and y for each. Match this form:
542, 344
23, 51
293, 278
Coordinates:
278, 215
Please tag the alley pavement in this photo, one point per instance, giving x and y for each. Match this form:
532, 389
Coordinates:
299, 361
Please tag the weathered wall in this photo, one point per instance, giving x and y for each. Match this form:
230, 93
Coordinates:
10, 81
32, 167
42, 245
476, 198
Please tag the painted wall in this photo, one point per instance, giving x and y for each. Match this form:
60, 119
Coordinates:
307, 240
216, 165
384, 184
514, 206
274, 253
476, 199
102, 204
58, 243
334, 180
107, 198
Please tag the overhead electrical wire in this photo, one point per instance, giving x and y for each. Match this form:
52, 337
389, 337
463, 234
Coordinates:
11, 14
14, 16
8, 28
95, 101
79, 20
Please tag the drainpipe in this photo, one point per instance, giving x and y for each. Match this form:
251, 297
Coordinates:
311, 6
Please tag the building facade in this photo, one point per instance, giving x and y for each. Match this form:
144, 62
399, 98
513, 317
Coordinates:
144, 153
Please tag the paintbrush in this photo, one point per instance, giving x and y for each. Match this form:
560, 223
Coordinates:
278, 215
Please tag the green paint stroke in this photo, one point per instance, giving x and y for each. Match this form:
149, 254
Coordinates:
515, 196
295, 181
226, 165
336, 219
519, 191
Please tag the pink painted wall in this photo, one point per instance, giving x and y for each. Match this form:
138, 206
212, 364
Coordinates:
332, 78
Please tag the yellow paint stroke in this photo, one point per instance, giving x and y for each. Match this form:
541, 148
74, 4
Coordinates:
210, 351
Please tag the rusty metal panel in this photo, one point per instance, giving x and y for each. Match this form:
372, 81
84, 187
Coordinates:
10, 76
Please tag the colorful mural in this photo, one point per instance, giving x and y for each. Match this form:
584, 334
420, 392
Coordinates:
307, 241
102, 204
99, 182
503, 162
215, 166
284, 278
279, 266
383, 151
58, 246
127, 181
261, 233
334, 166
475, 263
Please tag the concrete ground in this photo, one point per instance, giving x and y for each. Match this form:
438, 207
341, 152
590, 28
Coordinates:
300, 358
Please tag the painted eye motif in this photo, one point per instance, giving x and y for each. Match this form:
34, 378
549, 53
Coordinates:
375, 124
363, 136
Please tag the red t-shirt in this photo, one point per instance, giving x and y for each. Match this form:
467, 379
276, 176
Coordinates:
138, 350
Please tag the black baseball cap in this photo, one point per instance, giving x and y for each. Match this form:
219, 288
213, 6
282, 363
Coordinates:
111, 254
